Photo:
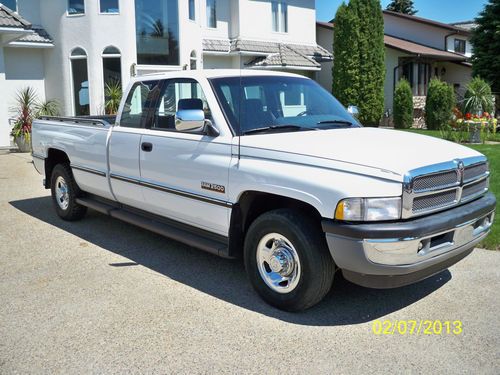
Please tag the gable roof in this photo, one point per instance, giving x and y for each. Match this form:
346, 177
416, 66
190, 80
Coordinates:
9, 18
427, 21
421, 50
466, 25
285, 57
39, 35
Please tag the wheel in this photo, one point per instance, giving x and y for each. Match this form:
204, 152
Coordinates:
287, 260
64, 193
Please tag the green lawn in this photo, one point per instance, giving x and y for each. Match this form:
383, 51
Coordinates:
492, 152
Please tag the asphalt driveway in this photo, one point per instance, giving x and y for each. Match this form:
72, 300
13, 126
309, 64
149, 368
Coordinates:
101, 296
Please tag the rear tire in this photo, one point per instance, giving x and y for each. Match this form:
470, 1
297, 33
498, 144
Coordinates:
64, 193
287, 260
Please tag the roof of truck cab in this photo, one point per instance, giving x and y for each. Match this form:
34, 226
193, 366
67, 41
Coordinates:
213, 73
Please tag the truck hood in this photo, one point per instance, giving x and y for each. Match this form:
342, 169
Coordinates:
382, 152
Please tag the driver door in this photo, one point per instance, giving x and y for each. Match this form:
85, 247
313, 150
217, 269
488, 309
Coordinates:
185, 174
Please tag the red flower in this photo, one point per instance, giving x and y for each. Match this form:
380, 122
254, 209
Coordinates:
468, 116
486, 114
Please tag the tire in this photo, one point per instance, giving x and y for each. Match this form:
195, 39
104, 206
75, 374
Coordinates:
309, 276
64, 193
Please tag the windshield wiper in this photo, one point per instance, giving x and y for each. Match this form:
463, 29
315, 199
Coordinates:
275, 127
336, 122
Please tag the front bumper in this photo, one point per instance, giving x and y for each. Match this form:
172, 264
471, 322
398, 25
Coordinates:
387, 255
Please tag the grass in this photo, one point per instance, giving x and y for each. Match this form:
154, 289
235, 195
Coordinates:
437, 133
492, 152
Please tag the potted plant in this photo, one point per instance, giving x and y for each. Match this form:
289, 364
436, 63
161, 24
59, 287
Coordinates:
113, 95
27, 108
477, 103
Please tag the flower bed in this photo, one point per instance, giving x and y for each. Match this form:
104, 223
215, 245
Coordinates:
470, 128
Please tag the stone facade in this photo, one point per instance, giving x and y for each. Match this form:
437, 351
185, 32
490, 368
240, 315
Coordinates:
419, 112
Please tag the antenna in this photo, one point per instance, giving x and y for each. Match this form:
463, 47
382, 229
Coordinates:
240, 106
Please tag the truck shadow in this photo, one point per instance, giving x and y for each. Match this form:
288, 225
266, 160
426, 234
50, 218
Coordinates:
225, 279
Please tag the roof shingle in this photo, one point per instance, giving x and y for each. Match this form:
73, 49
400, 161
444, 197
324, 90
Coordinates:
278, 54
286, 56
38, 36
421, 50
8, 18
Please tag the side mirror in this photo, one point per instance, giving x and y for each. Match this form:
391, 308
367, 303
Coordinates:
353, 110
190, 120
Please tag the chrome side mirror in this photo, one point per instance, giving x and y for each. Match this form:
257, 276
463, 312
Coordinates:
353, 110
189, 120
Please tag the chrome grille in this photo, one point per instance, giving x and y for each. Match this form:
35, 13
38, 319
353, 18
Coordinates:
444, 185
474, 171
474, 189
433, 201
436, 181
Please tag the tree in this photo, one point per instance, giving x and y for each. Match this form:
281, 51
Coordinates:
345, 85
439, 104
359, 53
403, 105
402, 6
486, 42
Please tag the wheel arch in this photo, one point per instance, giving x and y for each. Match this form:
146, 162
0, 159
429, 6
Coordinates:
251, 204
54, 156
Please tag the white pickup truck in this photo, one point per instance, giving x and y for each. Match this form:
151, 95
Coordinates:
270, 167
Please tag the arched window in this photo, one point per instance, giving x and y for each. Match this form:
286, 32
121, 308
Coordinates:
81, 89
112, 73
192, 60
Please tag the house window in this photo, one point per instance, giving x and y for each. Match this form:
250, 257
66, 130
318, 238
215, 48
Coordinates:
81, 94
112, 71
460, 46
76, 7
11, 4
192, 13
280, 16
110, 6
211, 13
192, 60
157, 32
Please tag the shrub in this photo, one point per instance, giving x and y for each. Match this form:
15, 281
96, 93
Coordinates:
439, 104
403, 105
478, 97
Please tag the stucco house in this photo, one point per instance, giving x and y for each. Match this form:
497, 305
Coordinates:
69, 49
416, 49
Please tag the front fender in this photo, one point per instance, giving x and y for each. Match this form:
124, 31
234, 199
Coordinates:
320, 187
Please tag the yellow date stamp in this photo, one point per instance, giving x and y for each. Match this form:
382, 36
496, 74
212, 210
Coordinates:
417, 327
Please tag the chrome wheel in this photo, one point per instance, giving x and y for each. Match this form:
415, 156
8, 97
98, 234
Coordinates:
278, 263
62, 194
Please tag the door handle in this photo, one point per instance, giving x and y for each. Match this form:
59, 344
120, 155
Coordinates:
146, 147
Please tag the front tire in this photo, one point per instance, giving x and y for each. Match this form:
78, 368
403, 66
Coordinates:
64, 193
287, 260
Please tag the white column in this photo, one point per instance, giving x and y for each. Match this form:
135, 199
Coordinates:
4, 106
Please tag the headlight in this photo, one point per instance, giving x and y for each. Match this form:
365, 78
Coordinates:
369, 209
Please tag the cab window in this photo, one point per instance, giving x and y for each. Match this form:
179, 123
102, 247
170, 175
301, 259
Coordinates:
140, 98
172, 93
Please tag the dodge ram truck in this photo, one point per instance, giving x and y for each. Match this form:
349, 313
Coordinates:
270, 167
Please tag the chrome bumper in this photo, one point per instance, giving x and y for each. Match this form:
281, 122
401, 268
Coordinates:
386, 255
414, 250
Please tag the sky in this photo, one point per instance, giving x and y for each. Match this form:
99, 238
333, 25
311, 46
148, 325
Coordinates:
439, 10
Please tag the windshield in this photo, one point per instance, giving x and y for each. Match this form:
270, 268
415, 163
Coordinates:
256, 103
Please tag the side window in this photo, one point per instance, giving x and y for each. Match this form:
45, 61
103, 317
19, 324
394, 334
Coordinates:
292, 100
183, 92
139, 100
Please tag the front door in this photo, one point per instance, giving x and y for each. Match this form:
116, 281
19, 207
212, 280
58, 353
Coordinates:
184, 174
